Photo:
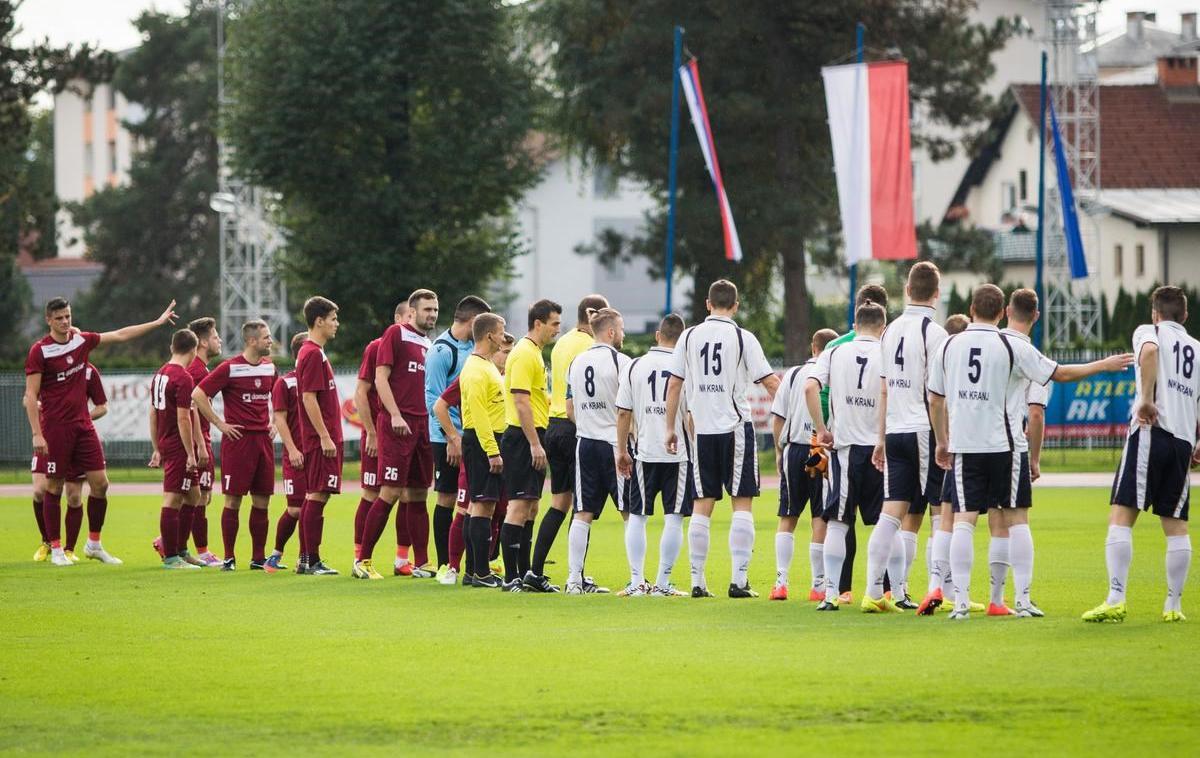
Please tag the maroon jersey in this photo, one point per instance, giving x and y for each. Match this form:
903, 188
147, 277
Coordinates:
95, 387
63, 395
366, 372
285, 396
198, 370
453, 394
246, 391
403, 348
170, 389
314, 374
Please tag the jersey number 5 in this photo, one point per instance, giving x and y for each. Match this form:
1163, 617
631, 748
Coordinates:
974, 364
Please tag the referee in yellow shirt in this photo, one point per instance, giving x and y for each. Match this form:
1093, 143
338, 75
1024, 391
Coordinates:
527, 412
560, 439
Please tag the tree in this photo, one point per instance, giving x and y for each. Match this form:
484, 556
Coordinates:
156, 235
760, 64
396, 135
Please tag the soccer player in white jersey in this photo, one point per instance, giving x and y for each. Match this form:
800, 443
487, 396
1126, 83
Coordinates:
592, 382
793, 429
714, 364
852, 374
968, 391
1162, 443
904, 452
651, 470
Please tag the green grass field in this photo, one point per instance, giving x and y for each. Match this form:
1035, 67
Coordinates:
135, 660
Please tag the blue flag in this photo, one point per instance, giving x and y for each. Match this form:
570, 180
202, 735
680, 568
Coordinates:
1075, 258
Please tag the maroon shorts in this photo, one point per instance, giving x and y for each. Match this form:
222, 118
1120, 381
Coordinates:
294, 484
322, 474
38, 466
72, 448
248, 465
206, 474
405, 461
369, 476
177, 477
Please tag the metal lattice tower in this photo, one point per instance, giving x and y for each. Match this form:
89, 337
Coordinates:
251, 285
1072, 307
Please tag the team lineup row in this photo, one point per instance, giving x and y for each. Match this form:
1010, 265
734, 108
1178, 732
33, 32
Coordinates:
887, 421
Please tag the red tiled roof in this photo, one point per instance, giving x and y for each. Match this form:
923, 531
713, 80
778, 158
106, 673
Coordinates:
1148, 139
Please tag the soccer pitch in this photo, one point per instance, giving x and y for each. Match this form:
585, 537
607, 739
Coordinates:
137, 660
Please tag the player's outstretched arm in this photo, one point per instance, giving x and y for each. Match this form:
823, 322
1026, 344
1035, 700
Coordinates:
127, 333
33, 387
1077, 371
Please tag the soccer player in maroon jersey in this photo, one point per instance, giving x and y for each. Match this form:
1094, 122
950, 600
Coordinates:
54, 377
171, 420
247, 453
320, 430
194, 518
73, 488
285, 400
405, 453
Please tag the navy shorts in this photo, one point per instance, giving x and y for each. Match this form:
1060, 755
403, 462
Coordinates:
982, 481
1153, 475
596, 478
854, 485
726, 463
910, 473
796, 487
673, 481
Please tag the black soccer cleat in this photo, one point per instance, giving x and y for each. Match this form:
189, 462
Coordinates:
514, 585
701, 592
489, 582
736, 591
258, 565
906, 603
320, 569
229, 564
828, 606
538, 583
302, 565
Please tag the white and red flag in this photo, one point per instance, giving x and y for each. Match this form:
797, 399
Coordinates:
868, 124
689, 77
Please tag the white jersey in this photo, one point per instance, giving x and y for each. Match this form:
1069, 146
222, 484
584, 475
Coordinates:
791, 405
592, 381
974, 376
643, 391
1178, 388
718, 361
908, 345
851, 372
1022, 393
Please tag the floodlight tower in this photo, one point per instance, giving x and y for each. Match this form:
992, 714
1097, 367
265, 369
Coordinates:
1072, 307
251, 284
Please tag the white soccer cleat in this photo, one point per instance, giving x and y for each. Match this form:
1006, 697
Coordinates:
635, 590
98, 553
449, 577
59, 558
574, 588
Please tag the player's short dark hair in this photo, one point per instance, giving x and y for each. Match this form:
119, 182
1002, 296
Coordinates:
541, 310
203, 327
923, 281
1170, 303
957, 323
470, 307
823, 337
671, 327
183, 341
871, 293
56, 304
317, 307
988, 302
1024, 304
602, 319
722, 294
422, 294
510, 339
401, 308
252, 327
870, 316
298, 339
485, 324
589, 303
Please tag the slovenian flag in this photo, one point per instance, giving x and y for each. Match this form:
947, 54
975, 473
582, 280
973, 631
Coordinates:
1070, 219
689, 77
868, 125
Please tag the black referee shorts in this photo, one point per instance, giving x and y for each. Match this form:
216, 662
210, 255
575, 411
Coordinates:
521, 479
560, 455
445, 476
482, 484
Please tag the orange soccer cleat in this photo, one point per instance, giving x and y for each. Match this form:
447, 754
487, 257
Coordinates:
931, 603
779, 592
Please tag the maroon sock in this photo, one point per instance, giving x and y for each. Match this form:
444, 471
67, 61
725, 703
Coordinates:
417, 517
229, 530
360, 519
168, 527
283, 530
187, 513
96, 507
402, 537
40, 518
456, 541
74, 521
52, 514
200, 528
376, 522
260, 526
312, 523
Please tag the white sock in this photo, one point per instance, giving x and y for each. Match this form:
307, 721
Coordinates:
668, 547
785, 546
1118, 554
998, 567
741, 545
698, 548
896, 567
879, 550
1020, 554
834, 554
816, 560
947, 574
1179, 558
92, 544
939, 559
962, 555
577, 542
910, 556
635, 547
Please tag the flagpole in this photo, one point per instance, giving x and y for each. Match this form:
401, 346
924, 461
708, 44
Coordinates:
674, 157
1040, 260
859, 32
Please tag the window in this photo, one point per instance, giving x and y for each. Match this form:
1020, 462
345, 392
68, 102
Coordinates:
1023, 181
87, 105
1139, 259
88, 157
1118, 260
112, 98
112, 157
1008, 197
